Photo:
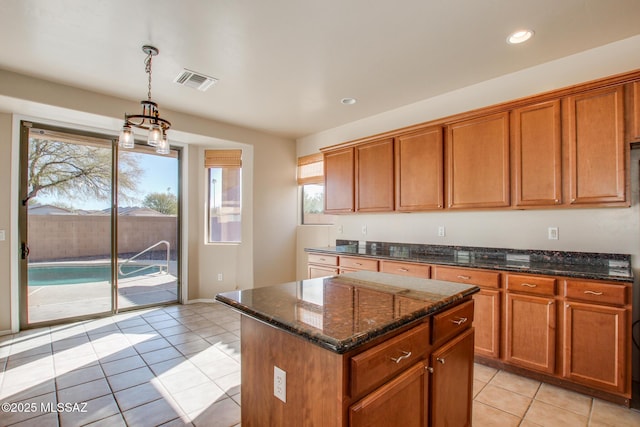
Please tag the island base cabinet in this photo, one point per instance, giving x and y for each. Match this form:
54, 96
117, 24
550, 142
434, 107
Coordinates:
452, 382
401, 402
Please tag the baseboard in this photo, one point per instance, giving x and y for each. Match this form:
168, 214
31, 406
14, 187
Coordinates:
8, 332
207, 300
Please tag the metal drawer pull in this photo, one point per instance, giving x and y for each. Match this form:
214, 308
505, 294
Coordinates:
464, 277
405, 355
528, 285
440, 360
358, 263
322, 259
592, 293
459, 320
403, 269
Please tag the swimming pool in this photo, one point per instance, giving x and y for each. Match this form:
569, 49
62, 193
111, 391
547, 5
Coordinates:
49, 275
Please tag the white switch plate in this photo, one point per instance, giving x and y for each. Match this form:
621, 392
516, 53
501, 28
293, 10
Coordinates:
2, 235
219, 277
553, 233
280, 384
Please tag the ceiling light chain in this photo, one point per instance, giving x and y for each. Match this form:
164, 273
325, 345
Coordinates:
149, 119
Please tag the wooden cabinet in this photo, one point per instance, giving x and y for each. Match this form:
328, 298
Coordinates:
419, 164
478, 162
374, 176
486, 321
597, 154
530, 322
353, 263
596, 327
411, 269
452, 382
536, 143
339, 180
321, 265
402, 402
632, 111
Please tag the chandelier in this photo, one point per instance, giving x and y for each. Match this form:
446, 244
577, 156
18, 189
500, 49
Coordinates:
149, 119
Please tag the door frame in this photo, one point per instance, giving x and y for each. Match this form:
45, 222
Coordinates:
22, 271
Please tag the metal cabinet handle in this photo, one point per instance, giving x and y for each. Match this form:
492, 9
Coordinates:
440, 360
358, 263
464, 277
405, 355
403, 269
459, 320
592, 292
528, 285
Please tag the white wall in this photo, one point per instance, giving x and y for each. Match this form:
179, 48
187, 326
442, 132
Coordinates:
613, 230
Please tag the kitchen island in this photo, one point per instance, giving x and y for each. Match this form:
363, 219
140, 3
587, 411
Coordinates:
363, 348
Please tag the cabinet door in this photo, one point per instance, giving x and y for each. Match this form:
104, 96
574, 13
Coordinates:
478, 162
537, 154
486, 322
374, 176
595, 345
530, 332
401, 402
597, 155
632, 111
452, 382
419, 170
339, 180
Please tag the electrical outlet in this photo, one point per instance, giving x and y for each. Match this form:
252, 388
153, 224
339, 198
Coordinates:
2, 236
280, 384
219, 277
364, 229
441, 231
553, 233
340, 229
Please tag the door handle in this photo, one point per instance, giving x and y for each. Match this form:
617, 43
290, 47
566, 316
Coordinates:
24, 250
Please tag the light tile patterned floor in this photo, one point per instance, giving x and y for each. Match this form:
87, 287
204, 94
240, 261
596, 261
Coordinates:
179, 365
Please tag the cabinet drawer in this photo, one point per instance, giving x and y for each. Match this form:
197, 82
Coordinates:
606, 293
375, 366
490, 279
405, 269
531, 284
322, 259
453, 321
359, 263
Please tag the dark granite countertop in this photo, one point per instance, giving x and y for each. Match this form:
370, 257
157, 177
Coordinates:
585, 265
326, 312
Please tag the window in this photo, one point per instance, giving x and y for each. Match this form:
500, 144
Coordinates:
311, 181
224, 208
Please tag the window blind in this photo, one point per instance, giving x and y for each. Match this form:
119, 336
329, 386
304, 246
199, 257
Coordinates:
222, 158
311, 169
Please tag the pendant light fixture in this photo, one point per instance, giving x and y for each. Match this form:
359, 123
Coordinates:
149, 119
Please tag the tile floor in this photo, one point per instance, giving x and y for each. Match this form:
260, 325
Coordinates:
179, 365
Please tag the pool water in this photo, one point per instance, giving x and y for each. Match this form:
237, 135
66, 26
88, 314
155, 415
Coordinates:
76, 274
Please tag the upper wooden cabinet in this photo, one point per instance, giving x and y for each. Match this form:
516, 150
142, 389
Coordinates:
419, 161
478, 162
374, 176
339, 180
536, 140
632, 111
596, 166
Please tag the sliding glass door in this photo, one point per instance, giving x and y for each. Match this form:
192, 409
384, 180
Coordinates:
80, 258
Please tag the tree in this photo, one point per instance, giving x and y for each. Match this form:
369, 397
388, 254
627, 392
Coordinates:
73, 170
165, 203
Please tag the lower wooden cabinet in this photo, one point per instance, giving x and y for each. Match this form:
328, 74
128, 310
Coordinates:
530, 332
401, 402
595, 346
452, 382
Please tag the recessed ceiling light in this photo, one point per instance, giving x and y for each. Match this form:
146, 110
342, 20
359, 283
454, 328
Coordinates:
519, 36
348, 101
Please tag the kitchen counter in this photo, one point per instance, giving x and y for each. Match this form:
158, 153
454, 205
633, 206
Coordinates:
598, 266
319, 310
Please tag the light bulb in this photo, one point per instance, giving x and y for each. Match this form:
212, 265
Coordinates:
127, 138
163, 146
155, 135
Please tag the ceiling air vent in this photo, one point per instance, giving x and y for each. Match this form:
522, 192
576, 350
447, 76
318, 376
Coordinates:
195, 80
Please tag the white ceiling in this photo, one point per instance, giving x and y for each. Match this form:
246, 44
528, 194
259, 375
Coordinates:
284, 65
